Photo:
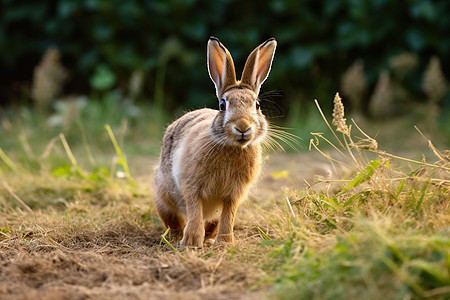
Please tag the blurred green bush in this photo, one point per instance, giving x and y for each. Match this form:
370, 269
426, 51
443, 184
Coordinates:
104, 42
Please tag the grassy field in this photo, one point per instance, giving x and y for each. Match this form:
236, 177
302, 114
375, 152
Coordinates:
344, 221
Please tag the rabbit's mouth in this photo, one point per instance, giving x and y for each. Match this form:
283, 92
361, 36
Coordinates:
242, 140
243, 136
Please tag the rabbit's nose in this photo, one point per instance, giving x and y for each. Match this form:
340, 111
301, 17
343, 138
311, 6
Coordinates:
242, 125
243, 133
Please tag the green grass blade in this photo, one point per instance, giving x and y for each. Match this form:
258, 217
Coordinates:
122, 158
363, 176
422, 195
7, 160
400, 187
163, 239
264, 235
71, 156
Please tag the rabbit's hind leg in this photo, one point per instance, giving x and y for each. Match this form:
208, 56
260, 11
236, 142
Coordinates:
211, 231
175, 223
170, 216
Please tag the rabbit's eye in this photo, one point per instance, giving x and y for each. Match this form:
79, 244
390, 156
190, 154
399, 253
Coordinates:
223, 105
257, 105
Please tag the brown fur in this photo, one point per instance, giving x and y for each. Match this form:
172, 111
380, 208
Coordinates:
210, 158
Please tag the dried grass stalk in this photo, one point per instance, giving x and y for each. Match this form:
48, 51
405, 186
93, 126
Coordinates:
434, 82
338, 115
354, 84
380, 105
48, 79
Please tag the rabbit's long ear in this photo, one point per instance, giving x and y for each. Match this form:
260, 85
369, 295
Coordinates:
258, 65
220, 66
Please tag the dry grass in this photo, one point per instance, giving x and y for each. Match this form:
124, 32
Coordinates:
350, 222
102, 244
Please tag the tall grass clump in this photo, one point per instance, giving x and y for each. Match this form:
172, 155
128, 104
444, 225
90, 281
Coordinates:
378, 228
54, 174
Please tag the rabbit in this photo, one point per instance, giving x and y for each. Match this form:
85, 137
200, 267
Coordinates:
210, 158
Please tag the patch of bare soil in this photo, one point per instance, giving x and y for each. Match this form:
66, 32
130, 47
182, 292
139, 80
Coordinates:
115, 263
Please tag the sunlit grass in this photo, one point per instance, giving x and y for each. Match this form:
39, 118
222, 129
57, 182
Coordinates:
383, 233
377, 226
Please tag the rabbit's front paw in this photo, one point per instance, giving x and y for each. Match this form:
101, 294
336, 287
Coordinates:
193, 237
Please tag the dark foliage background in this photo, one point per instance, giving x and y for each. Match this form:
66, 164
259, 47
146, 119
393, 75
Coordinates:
166, 40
